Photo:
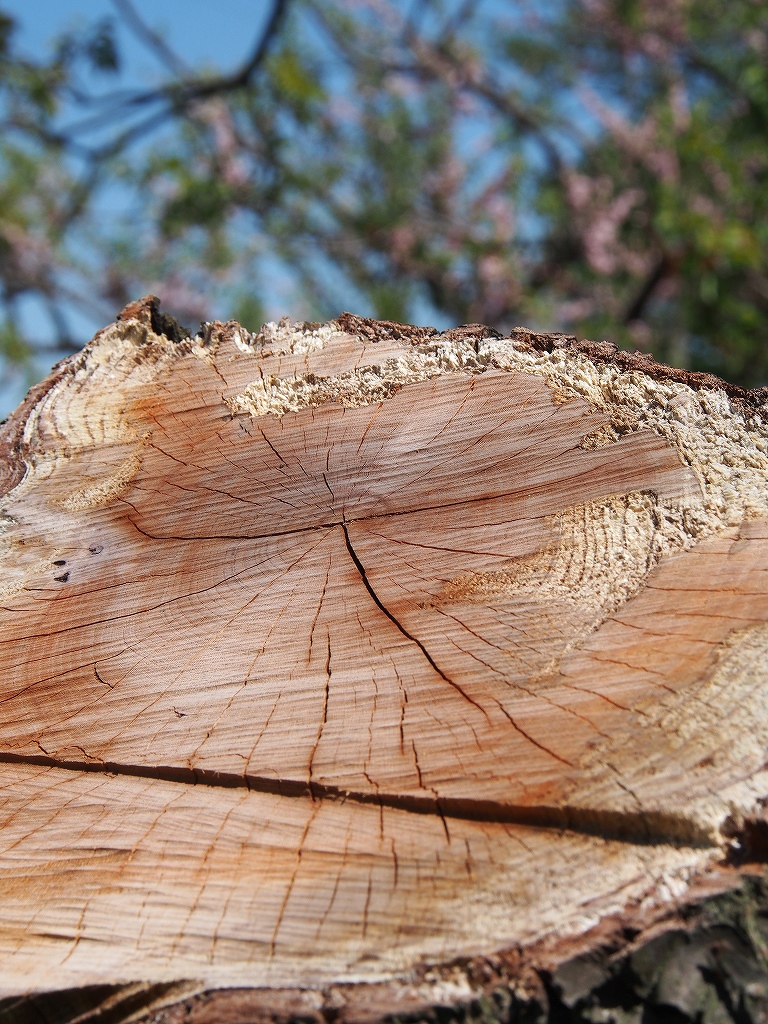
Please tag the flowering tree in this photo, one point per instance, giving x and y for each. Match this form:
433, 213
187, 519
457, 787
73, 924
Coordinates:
598, 166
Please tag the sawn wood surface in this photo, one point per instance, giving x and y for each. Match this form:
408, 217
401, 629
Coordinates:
337, 654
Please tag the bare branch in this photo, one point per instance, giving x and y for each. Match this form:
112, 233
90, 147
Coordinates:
152, 39
178, 95
262, 47
661, 270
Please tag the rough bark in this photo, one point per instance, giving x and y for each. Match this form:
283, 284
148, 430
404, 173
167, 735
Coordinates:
353, 669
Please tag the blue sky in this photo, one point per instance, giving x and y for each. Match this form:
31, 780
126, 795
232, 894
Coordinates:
203, 31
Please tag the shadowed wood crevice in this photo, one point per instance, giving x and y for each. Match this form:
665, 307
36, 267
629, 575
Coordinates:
641, 827
398, 625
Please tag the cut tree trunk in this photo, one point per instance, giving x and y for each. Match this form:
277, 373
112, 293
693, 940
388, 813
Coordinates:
353, 669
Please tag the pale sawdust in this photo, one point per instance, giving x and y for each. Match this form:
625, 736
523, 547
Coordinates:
602, 552
95, 492
286, 338
600, 438
352, 390
715, 728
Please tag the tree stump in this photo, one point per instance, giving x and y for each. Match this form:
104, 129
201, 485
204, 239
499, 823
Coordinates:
352, 669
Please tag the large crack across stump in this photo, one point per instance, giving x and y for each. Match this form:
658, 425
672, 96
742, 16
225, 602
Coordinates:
641, 827
398, 625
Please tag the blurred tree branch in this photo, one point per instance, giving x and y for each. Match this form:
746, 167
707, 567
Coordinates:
154, 41
178, 95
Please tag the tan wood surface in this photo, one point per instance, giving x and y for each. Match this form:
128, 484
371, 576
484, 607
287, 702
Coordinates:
341, 652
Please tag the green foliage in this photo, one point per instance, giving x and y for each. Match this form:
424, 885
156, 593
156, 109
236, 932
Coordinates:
197, 202
292, 80
13, 347
249, 312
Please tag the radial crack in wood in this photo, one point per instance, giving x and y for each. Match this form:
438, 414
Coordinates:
337, 650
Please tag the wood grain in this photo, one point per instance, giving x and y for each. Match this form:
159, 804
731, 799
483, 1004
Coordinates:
325, 656
126, 879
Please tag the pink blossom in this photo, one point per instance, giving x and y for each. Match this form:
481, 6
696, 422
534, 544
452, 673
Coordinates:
218, 117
